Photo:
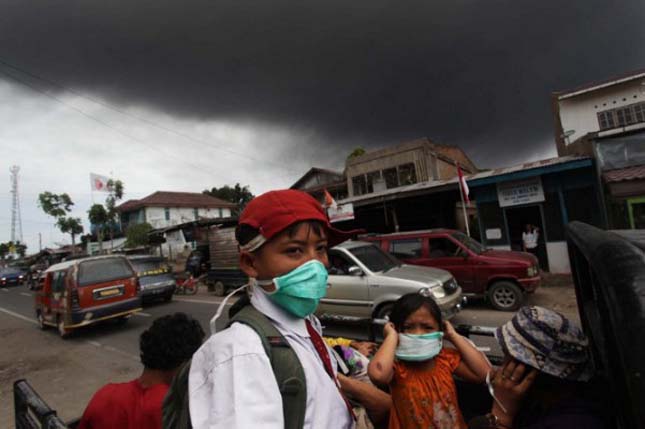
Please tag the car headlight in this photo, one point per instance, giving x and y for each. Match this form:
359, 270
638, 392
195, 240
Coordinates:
432, 292
531, 271
4, 279
20, 277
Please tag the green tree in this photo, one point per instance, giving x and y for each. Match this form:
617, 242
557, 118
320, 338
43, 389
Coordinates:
98, 217
238, 194
116, 190
20, 248
356, 152
137, 235
4, 250
59, 206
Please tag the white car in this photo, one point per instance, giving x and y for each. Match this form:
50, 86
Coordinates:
364, 281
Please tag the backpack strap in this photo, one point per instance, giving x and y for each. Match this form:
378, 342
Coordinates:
285, 363
175, 413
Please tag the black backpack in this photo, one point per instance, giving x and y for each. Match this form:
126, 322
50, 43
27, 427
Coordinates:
286, 368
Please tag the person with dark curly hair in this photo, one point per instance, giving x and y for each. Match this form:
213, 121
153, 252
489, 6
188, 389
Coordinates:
164, 347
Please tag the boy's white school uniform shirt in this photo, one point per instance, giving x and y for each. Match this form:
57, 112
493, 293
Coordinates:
231, 383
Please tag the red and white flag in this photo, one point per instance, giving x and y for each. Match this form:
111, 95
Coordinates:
329, 201
463, 186
99, 183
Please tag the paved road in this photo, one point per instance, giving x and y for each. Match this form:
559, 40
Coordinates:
18, 302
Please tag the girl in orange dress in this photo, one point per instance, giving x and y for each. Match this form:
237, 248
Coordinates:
419, 370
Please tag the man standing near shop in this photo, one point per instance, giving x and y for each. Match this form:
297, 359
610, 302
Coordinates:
530, 238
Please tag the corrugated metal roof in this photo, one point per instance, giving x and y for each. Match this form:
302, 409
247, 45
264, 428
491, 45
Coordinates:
636, 172
471, 180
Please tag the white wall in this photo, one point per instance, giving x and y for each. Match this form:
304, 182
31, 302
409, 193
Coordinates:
579, 113
156, 216
558, 256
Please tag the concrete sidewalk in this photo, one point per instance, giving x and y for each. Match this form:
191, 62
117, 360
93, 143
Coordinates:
64, 374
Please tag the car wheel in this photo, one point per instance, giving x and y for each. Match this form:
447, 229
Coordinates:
168, 297
62, 330
505, 296
219, 289
383, 311
41, 320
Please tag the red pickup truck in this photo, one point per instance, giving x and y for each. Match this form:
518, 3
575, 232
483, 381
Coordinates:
501, 276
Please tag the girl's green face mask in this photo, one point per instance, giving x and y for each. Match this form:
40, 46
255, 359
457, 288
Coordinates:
299, 291
417, 348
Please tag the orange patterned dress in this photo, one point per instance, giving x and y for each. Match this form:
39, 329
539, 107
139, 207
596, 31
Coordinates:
426, 398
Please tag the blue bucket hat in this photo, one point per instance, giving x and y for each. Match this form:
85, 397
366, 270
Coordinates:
548, 342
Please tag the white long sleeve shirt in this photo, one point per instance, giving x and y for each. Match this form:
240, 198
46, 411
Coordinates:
232, 386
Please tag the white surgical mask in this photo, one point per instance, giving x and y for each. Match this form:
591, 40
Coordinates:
418, 348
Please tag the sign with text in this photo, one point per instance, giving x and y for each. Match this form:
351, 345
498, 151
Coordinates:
521, 192
341, 213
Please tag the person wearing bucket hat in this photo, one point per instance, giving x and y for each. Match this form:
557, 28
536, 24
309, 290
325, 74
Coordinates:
283, 238
547, 376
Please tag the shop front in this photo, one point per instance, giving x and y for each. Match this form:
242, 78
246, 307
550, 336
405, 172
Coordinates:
545, 195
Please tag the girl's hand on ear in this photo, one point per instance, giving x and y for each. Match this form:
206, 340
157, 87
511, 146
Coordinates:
389, 329
449, 332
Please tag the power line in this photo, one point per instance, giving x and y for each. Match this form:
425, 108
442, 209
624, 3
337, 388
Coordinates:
87, 115
139, 118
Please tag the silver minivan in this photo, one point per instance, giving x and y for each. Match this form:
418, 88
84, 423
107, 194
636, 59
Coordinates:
364, 281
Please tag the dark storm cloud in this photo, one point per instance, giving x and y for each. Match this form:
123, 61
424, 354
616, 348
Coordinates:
476, 73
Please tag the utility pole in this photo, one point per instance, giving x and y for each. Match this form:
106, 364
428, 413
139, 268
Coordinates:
16, 220
40, 242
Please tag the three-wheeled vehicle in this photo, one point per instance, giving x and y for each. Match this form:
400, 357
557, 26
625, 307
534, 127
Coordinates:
609, 275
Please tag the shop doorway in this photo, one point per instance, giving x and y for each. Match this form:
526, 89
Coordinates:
636, 207
516, 220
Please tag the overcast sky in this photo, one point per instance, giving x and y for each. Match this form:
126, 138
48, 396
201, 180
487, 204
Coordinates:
169, 95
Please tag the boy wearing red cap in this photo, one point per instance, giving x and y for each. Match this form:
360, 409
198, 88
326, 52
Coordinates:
283, 238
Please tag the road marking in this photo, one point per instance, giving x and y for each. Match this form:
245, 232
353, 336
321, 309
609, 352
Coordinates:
25, 294
142, 314
94, 343
5, 290
112, 349
19, 316
201, 302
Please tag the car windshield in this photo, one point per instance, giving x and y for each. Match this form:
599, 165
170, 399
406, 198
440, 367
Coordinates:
103, 270
150, 268
10, 271
473, 245
374, 258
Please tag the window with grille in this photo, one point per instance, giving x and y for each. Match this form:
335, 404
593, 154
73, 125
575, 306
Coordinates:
622, 116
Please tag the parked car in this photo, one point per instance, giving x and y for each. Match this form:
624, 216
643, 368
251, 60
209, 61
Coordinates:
11, 277
364, 281
155, 277
81, 292
503, 277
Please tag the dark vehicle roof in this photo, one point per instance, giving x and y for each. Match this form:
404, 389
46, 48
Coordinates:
11, 270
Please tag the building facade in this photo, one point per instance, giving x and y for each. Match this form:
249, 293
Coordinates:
167, 209
404, 164
606, 120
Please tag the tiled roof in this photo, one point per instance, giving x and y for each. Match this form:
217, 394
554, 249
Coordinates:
175, 199
625, 77
636, 172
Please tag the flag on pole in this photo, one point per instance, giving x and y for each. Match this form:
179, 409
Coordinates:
99, 183
329, 201
463, 186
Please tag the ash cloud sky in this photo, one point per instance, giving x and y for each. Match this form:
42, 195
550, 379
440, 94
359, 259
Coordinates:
303, 82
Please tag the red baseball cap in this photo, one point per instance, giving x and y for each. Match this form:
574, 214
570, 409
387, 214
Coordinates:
274, 211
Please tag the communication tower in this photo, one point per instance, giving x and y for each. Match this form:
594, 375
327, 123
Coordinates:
16, 220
